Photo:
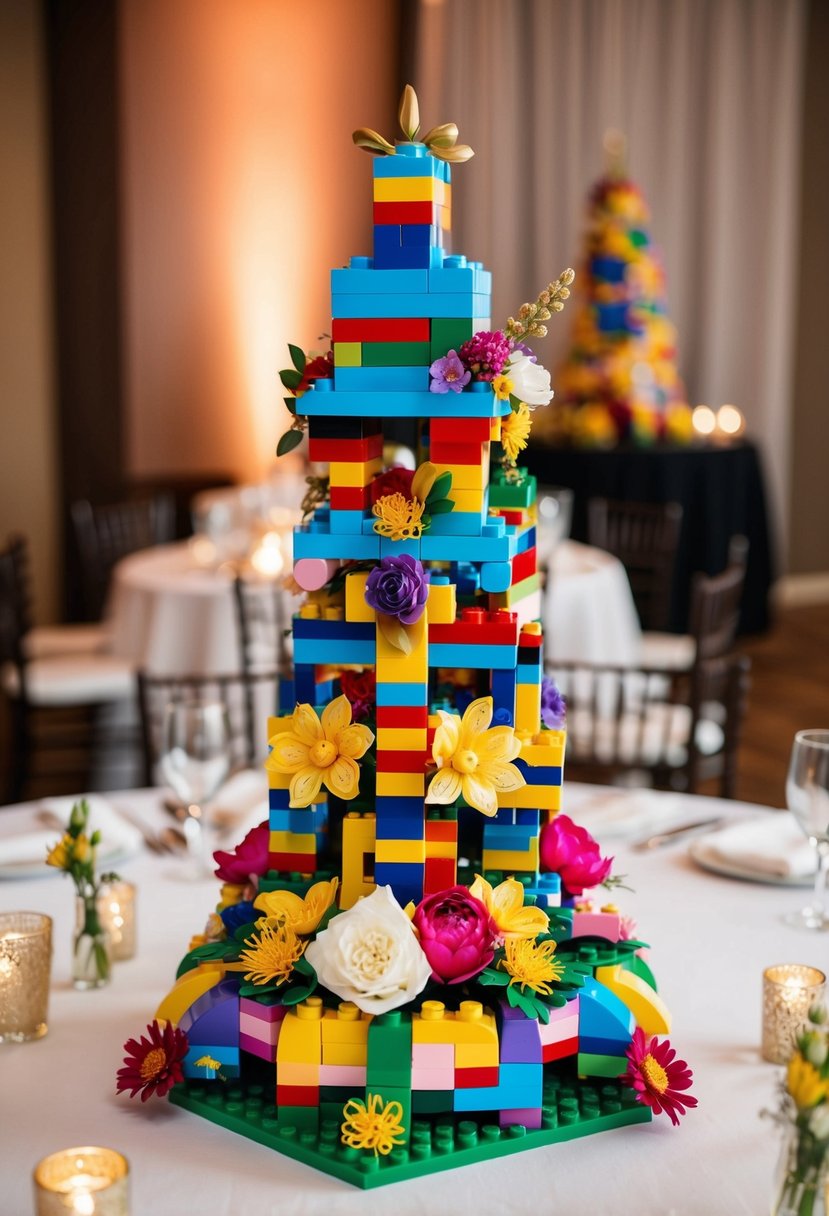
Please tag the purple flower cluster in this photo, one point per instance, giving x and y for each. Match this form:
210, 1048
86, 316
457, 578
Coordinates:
398, 587
448, 373
486, 354
553, 705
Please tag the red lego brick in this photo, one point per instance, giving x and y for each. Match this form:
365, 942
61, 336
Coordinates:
402, 717
401, 762
350, 498
447, 430
477, 628
357, 450
297, 1095
509, 517
287, 863
530, 641
441, 829
524, 564
456, 453
557, 1051
380, 329
473, 1078
438, 875
407, 213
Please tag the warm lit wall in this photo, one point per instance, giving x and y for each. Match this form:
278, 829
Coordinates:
28, 498
241, 189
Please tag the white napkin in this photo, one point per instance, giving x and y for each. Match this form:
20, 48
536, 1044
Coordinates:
118, 838
241, 803
773, 845
630, 814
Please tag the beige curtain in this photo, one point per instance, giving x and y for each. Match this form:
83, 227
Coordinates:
708, 94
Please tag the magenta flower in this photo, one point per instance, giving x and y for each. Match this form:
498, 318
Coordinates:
248, 858
571, 852
657, 1077
486, 354
456, 933
448, 373
398, 587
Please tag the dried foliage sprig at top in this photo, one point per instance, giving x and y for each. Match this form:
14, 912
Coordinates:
531, 316
442, 141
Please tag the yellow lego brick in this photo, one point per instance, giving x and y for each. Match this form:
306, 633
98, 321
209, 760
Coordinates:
446, 211
358, 858
401, 739
278, 781
650, 1010
348, 354
467, 500
546, 749
401, 785
278, 724
300, 1040
465, 476
292, 842
185, 992
441, 848
393, 666
528, 708
354, 1055
495, 430
346, 1024
298, 1074
510, 860
410, 190
442, 604
476, 1055
533, 797
356, 608
472, 1024
400, 851
353, 473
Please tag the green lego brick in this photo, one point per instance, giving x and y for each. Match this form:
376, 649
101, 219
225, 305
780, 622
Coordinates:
601, 1066
448, 333
569, 1110
513, 496
389, 1059
395, 354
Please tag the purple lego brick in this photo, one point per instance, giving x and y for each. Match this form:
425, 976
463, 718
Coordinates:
264, 1013
530, 1117
213, 1019
520, 1037
255, 1048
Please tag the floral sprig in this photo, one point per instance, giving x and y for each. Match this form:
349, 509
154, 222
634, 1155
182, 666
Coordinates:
406, 513
531, 317
297, 380
804, 1107
75, 854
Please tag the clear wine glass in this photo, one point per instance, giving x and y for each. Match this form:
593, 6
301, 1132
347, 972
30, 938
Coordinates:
194, 761
807, 797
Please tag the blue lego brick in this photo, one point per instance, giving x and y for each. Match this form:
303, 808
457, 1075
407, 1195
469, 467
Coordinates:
539, 776
395, 548
612, 270
527, 1074
457, 523
304, 684
393, 693
613, 317
334, 650
306, 627
424, 165
496, 576
496, 525
404, 877
381, 379
503, 692
457, 278
524, 814
417, 236
476, 548
304, 821
386, 240
526, 539
467, 578
394, 305
510, 837
392, 828
346, 523
228, 1057
448, 654
401, 808
328, 402
378, 282
602, 1015
412, 258
596, 1046
278, 800
528, 673
338, 548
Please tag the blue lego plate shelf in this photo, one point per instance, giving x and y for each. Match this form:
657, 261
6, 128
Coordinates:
570, 1110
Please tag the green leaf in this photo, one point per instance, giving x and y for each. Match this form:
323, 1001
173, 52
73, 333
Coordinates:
515, 403
440, 487
543, 1011
243, 932
513, 996
290, 440
490, 978
294, 995
290, 405
297, 357
442, 507
290, 377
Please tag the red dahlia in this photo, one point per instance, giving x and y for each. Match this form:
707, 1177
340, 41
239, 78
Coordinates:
153, 1065
658, 1077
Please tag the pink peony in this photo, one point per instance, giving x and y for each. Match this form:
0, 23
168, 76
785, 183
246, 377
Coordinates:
486, 354
457, 934
249, 857
571, 852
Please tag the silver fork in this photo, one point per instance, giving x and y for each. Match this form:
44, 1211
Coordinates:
169, 840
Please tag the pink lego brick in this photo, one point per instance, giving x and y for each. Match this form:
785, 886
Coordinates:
433, 1056
257, 1048
265, 1032
529, 1117
597, 924
262, 1013
433, 1078
342, 1074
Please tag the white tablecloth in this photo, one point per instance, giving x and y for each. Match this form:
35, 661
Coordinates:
711, 938
589, 613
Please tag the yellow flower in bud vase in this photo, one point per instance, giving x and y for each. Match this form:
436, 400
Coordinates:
505, 904
81, 848
58, 855
515, 431
320, 752
805, 1084
301, 915
397, 517
473, 760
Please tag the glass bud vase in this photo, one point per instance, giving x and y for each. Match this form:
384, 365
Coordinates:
800, 1179
91, 957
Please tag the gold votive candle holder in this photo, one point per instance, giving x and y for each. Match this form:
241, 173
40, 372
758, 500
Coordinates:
116, 912
789, 991
25, 969
86, 1181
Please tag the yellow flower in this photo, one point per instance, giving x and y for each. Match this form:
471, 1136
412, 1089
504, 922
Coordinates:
423, 480
372, 1125
207, 1062
531, 964
58, 855
505, 904
805, 1084
291, 910
502, 386
272, 956
398, 518
321, 752
473, 760
515, 430
81, 848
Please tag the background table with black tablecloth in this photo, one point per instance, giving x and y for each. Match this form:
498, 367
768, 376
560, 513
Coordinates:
719, 487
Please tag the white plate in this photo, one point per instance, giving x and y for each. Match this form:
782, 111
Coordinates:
707, 859
30, 868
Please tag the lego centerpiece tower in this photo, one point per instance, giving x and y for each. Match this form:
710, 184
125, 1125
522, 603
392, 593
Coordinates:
408, 969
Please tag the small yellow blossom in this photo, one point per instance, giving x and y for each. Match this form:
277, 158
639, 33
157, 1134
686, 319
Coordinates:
423, 480
505, 904
208, 1062
301, 915
372, 1125
59, 854
531, 964
272, 956
515, 430
472, 760
502, 387
320, 752
398, 518
805, 1084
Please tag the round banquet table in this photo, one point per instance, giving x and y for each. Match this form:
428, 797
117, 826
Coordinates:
171, 616
710, 939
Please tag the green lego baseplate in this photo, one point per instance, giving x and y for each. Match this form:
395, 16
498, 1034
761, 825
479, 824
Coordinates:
570, 1109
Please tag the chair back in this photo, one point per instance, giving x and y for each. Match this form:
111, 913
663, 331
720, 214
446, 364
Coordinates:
246, 699
644, 537
715, 608
15, 601
105, 534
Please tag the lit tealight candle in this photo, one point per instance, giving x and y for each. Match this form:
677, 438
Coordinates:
25, 966
85, 1181
116, 911
789, 991
704, 420
730, 421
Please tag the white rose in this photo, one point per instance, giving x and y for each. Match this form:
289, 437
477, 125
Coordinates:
531, 381
370, 955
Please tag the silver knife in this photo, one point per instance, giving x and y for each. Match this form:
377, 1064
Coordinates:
678, 833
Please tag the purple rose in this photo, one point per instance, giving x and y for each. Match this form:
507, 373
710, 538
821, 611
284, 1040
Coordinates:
456, 933
571, 852
553, 705
398, 587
